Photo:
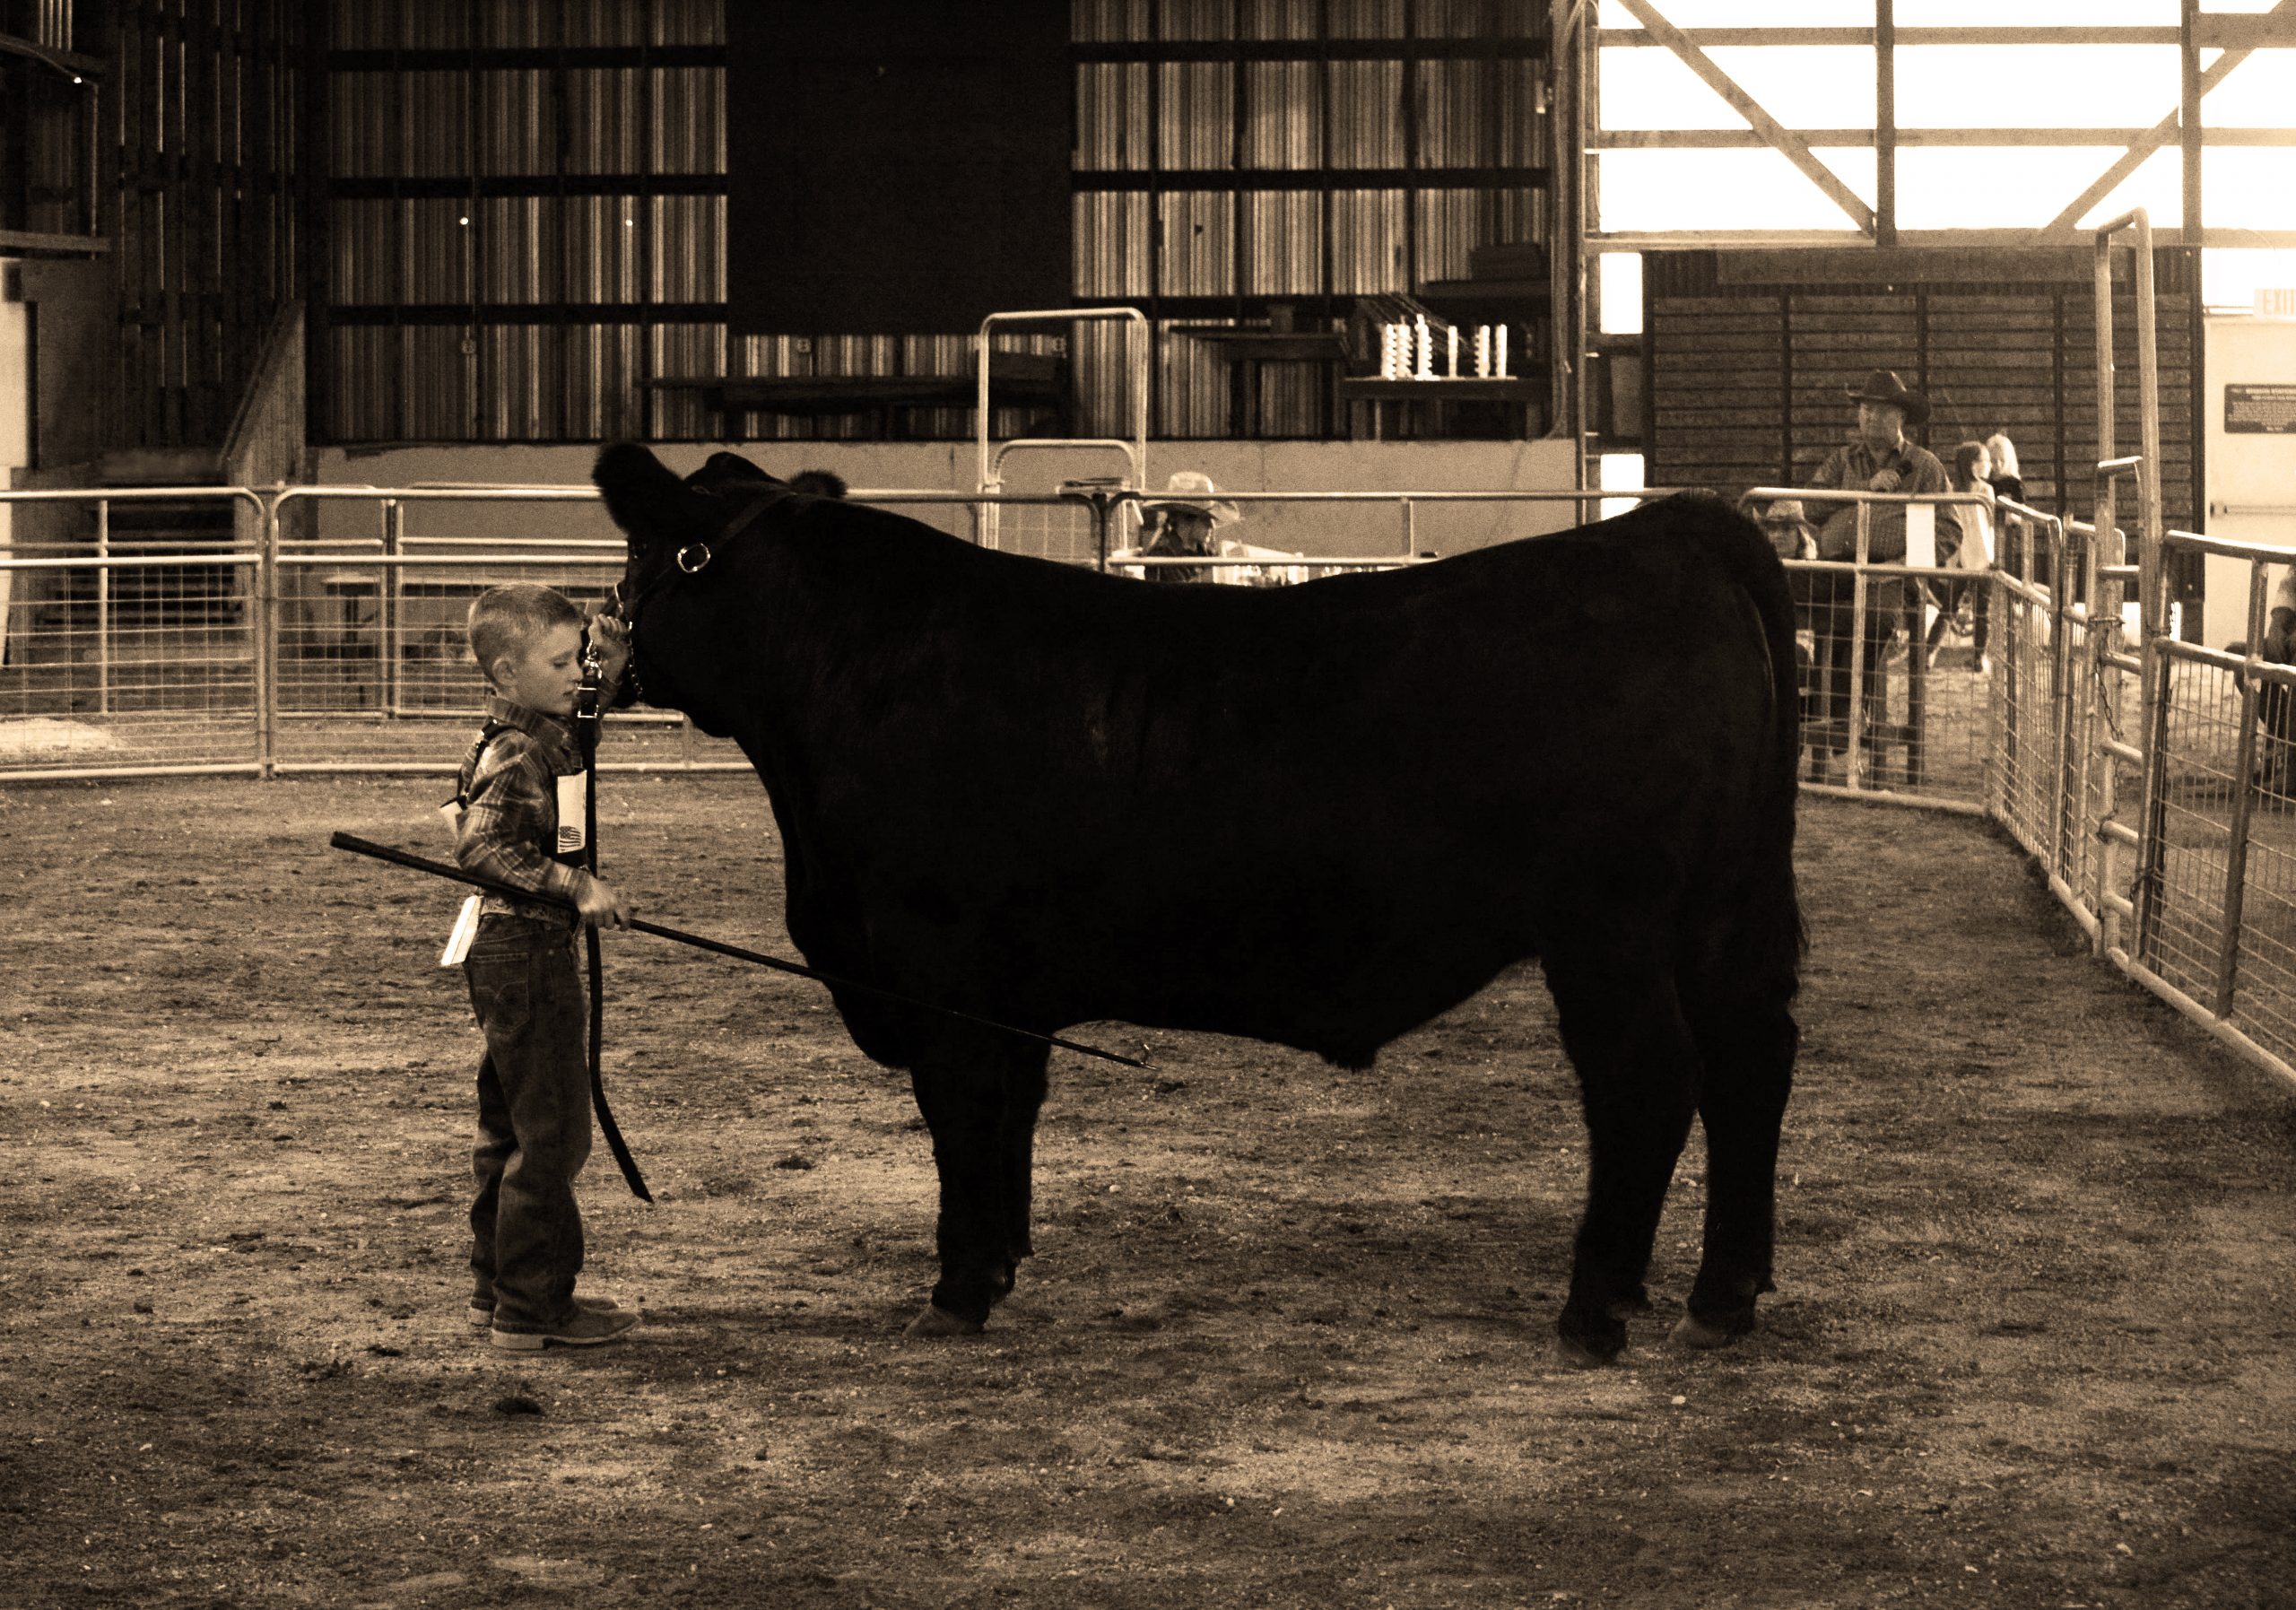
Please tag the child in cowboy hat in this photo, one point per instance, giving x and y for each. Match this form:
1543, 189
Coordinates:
1180, 524
1788, 527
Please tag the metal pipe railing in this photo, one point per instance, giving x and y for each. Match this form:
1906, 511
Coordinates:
2087, 575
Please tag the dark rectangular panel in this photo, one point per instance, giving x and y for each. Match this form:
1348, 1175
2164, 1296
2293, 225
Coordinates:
896, 167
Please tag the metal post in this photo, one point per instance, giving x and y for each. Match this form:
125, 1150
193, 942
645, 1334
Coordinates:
103, 606
2152, 592
1410, 528
2152, 848
2060, 694
2154, 613
2000, 636
390, 601
2012, 617
2104, 637
254, 619
2244, 791
2152, 605
2104, 517
267, 656
1855, 775
1104, 507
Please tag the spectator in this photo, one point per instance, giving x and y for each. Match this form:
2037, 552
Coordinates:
2008, 482
2275, 709
1972, 552
1877, 458
1180, 524
1786, 524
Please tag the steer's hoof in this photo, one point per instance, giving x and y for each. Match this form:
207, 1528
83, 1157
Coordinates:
1585, 1343
1712, 1330
932, 1321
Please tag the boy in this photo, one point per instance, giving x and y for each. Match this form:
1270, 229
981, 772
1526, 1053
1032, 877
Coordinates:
521, 822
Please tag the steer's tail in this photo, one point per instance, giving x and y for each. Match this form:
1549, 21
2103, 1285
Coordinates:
1754, 564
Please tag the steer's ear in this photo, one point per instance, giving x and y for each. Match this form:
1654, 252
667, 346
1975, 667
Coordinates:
728, 467
645, 499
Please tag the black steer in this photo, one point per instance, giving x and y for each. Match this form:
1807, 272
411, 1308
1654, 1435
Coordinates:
1389, 787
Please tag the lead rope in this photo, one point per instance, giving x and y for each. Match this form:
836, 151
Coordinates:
586, 738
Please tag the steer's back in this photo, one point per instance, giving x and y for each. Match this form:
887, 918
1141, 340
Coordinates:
1316, 815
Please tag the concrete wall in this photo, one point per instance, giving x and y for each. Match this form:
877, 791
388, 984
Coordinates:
1336, 530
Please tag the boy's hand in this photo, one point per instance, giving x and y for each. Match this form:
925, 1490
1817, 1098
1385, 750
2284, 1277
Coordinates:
611, 637
601, 907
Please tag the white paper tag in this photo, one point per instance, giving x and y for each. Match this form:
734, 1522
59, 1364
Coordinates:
452, 811
573, 793
465, 930
1921, 534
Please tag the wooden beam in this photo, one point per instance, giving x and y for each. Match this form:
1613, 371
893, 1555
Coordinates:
2216, 31
2035, 34
1778, 136
32, 240
1885, 123
2158, 136
1712, 240
2189, 126
1732, 139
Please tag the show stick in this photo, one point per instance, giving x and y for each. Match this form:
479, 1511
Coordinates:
440, 869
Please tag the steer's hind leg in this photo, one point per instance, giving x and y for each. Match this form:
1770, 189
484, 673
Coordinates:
1024, 1090
1737, 1002
980, 1102
1637, 1069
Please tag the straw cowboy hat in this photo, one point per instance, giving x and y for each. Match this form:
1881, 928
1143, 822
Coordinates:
1883, 385
1192, 490
1785, 515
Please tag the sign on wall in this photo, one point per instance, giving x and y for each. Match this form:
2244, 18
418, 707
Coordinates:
2260, 410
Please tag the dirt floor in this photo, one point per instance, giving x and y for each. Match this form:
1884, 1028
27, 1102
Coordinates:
1289, 1338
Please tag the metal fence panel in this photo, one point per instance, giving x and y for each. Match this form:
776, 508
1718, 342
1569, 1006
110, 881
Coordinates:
2162, 809
127, 646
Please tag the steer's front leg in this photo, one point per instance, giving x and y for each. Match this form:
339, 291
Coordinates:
963, 1105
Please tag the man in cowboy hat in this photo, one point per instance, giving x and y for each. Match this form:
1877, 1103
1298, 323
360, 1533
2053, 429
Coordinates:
1877, 458
1180, 524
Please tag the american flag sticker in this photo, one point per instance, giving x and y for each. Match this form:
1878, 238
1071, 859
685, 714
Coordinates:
573, 792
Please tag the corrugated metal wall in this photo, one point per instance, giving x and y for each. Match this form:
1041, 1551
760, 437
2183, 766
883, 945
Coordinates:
526, 204
201, 159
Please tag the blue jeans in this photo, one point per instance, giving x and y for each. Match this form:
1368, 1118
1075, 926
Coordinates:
534, 1121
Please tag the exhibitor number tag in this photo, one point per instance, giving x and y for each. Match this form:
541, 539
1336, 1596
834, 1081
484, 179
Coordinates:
465, 929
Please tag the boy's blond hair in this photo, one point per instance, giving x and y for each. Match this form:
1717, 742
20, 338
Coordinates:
503, 620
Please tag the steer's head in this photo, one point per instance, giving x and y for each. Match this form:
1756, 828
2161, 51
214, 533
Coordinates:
673, 587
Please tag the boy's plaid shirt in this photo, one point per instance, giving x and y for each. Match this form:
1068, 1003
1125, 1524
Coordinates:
509, 822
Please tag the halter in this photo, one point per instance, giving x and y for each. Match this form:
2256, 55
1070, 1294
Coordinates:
688, 560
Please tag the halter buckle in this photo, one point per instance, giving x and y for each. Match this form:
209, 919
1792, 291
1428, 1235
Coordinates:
693, 567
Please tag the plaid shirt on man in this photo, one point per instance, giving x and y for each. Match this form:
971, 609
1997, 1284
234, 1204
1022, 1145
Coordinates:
508, 828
